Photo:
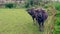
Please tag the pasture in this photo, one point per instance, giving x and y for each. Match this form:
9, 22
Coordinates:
16, 21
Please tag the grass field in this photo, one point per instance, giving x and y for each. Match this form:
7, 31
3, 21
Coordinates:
16, 21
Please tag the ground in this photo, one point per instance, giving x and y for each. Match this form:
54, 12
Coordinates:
16, 21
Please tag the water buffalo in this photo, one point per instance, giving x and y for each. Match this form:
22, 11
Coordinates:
39, 14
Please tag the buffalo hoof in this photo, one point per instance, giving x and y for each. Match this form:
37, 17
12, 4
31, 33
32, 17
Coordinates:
41, 30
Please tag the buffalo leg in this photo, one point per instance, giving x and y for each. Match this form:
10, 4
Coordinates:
33, 20
42, 26
39, 25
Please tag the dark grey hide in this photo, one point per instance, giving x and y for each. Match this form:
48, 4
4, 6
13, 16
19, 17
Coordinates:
40, 16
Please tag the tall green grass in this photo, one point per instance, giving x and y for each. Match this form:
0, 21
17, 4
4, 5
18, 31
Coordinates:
57, 23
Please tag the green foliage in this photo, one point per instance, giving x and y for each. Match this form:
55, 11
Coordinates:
57, 23
27, 5
57, 5
57, 15
10, 5
31, 3
56, 32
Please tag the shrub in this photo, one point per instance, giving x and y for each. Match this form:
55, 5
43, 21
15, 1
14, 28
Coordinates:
31, 3
10, 5
27, 5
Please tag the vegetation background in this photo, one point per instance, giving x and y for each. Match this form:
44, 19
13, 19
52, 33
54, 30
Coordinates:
15, 20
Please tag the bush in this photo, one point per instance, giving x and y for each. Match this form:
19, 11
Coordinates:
27, 5
57, 6
10, 5
31, 3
